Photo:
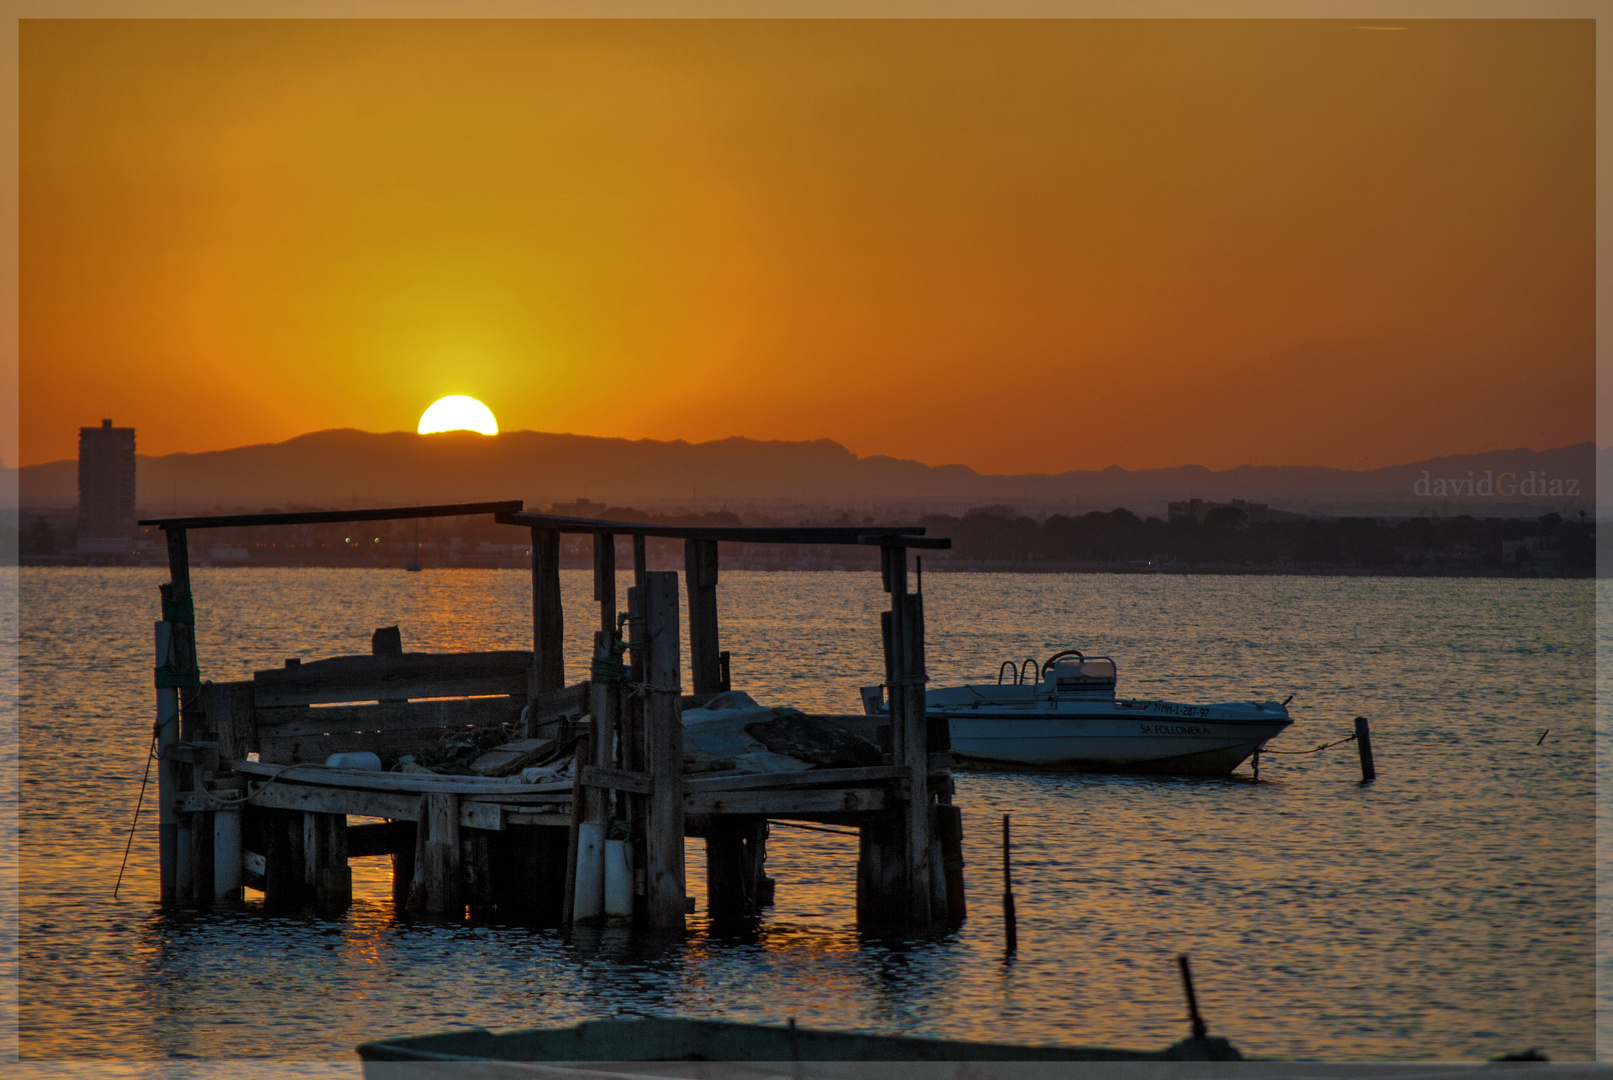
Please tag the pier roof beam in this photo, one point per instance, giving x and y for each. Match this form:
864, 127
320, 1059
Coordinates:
323, 517
738, 534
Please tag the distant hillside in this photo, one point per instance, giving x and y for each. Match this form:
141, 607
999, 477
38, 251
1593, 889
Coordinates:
346, 467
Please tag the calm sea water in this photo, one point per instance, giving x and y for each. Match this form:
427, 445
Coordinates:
1446, 911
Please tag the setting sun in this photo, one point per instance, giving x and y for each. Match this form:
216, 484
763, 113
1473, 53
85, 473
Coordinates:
458, 413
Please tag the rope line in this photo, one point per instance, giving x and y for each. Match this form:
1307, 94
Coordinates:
1324, 746
811, 828
136, 819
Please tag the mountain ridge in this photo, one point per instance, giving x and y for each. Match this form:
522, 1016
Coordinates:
346, 466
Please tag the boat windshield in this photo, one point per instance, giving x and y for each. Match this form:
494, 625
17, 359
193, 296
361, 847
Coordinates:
1082, 673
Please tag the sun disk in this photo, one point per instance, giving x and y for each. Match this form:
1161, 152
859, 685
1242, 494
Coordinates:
458, 413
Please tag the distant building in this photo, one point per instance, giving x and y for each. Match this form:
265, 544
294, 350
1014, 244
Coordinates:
1199, 509
105, 489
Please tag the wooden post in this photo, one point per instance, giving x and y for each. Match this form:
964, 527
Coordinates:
663, 743
284, 873
548, 619
630, 726
700, 572
641, 561
605, 580
332, 879
440, 873
588, 867
175, 657
949, 825
403, 868
1363, 743
923, 875
1010, 923
579, 808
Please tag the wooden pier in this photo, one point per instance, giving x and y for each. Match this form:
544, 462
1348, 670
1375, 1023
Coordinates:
248, 800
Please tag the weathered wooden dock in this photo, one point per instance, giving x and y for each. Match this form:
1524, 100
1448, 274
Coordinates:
248, 801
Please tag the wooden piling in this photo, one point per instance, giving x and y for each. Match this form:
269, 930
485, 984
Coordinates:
403, 867
440, 876
700, 573
663, 741
735, 848
1010, 922
949, 827
579, 797
167, 735
548, 618
1363, 743
285, 876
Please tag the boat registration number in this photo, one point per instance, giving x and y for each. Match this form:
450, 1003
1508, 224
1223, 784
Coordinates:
1166, 709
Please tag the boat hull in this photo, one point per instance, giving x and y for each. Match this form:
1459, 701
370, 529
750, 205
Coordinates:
1014, 742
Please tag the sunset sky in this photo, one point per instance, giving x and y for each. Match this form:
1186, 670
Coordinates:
1020, 246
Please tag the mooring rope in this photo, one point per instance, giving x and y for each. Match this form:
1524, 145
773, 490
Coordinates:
1324, 746
150, 753
221, 801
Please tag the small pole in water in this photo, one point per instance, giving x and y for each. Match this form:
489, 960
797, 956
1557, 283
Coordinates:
1199, 1030
1543, 735
1256, 763
1010, 929
1363, 743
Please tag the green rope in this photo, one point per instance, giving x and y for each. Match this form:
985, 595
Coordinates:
169, 677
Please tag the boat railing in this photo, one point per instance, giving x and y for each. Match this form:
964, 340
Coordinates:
1020, 678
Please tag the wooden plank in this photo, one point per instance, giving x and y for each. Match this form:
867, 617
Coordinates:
612, 779
481, 787
548, 615
663, 748
806, 778
789, 802
527, 817
700, 573
398, 716
314, 749
408, 675
396, 805
481, 815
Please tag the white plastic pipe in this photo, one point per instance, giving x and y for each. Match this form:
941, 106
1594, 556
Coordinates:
618, 880
226, 854
589, 900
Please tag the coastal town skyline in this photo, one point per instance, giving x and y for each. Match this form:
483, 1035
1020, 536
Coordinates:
1020, 247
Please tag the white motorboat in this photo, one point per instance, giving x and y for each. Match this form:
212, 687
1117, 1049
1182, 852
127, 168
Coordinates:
1064, 715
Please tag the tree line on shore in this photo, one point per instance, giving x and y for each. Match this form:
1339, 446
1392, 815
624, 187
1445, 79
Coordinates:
989, 536
1226, 537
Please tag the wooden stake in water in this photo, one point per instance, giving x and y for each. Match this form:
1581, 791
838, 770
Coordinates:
1363, 743
1199, 1030
1010, 929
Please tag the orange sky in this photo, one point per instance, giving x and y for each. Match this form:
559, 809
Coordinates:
1022, 246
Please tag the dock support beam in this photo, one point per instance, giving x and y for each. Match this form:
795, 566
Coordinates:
663, 745
700, 572
897, 881
176, 696
548, 620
